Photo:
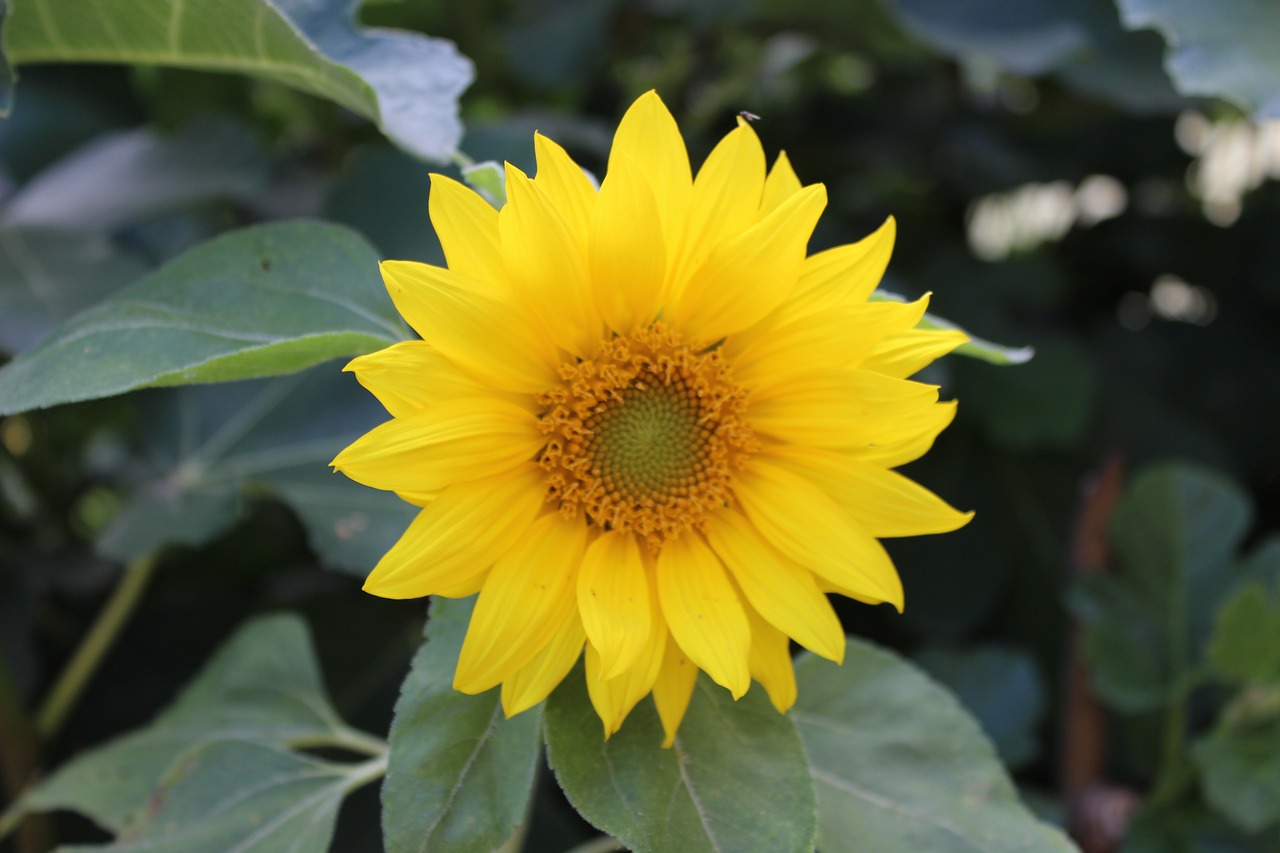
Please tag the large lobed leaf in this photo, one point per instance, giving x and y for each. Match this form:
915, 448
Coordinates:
735, 779
257, 302
241, 796
1174, 535
899, 765
896, 764
406, 82
262, 690
206, 448
1226, 49
460, 775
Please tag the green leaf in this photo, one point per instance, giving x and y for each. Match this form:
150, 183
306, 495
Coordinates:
263, 685
1047, 404
405, 82
1225, 49
1240, 773
1000, 687
1029, 38
1174, 535
122, 177
976, 347
489, 179
49, 274
207, 448
241, 796
257, 302
735, 779
1246, 640
460, 774
1192, 828
1082, 42
900, 766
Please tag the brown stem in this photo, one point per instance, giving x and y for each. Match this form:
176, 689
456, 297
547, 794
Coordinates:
1097, 813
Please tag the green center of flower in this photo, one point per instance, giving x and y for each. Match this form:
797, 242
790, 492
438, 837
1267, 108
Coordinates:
649, 443
644, 437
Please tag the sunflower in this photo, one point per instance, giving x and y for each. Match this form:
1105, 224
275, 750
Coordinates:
642, 423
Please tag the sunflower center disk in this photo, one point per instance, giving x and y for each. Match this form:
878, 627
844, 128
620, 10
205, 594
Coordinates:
645, 437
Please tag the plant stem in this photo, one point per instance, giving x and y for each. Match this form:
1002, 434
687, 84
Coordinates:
1173, 775
19, 759
363, 774
84, 662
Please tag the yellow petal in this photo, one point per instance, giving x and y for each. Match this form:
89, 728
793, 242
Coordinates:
914, 435
883, 503
441, 549
613, 598
837, 408
546, 266
904, 353
673, 689
412, 375
476, 326
725, 199
566, 186
525, 601
771, 662
614, 698
782, 591
702, 610
780, 185
844, 275
536, 679
457, 441
628, 258
748, 275
807, 526
649, 136
841, 337
467, 226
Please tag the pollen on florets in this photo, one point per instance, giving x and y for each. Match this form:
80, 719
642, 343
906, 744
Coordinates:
644, 437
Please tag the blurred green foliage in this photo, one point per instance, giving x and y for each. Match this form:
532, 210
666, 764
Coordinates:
1129, 236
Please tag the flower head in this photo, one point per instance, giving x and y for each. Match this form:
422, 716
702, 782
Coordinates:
642, 422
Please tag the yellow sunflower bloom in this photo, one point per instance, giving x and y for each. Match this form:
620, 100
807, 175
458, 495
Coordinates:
641, 422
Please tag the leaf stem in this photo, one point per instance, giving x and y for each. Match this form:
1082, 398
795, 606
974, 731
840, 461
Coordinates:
19, 759
95, 645
358, 741
363, 774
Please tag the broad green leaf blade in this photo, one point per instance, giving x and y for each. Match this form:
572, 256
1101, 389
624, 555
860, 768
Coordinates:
900, 766
263, 685
1225, 49
1000, 687
1174, 536
1082, 42
1029, 38
208, 448
1240, 767
460, 775
489, 179
257, 302
406, 82
1245, 646
47, 275
241, 796
976, 347
122, 177
735, 779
